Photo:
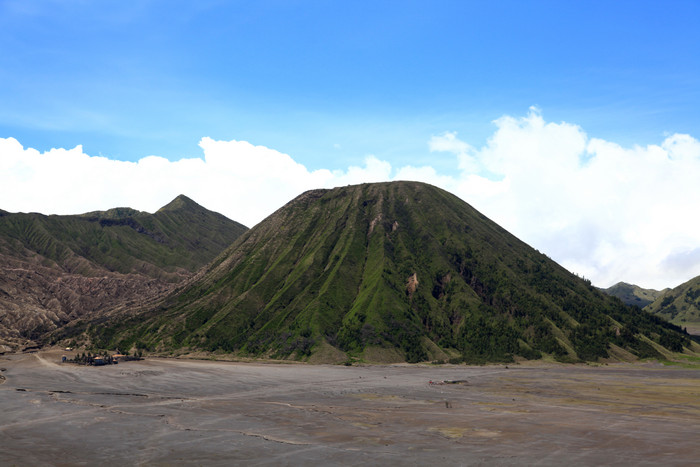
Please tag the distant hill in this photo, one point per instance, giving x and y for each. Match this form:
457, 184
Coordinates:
680, 305
54, 269
387, 272
633, 294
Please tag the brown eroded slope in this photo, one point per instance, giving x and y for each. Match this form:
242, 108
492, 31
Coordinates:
55, 269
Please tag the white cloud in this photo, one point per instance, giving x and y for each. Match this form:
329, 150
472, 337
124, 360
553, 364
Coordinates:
448, 142
604, 211
240, 180
374, 170
601, 210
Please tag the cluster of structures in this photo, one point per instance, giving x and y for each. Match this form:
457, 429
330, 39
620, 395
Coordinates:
98, 359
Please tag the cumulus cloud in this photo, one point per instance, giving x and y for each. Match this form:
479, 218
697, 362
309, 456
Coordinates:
242, 181
605, 211
448, 142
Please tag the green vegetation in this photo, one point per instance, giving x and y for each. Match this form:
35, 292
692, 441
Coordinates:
634, 295
395, 266
175, 241
680, 305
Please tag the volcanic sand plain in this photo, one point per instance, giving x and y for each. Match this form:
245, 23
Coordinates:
186, 412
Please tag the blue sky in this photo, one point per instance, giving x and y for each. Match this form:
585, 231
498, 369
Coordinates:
573, 124
330, 82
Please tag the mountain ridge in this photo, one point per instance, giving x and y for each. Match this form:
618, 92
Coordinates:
55, 268
680, 305
179, 202
634, 295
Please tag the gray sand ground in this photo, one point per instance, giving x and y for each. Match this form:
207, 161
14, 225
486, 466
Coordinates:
171, 412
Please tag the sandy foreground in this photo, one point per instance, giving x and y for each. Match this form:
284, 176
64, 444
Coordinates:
172, 412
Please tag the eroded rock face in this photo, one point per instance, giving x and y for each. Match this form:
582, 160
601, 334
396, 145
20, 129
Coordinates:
412, 284
36, 299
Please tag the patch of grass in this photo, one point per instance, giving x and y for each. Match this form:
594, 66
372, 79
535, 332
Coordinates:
688, 365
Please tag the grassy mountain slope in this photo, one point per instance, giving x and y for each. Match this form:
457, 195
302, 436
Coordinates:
400, 269
54, 269
178, 239
634, 295
680, 305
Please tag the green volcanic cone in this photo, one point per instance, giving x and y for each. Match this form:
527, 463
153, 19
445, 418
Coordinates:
401, 271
